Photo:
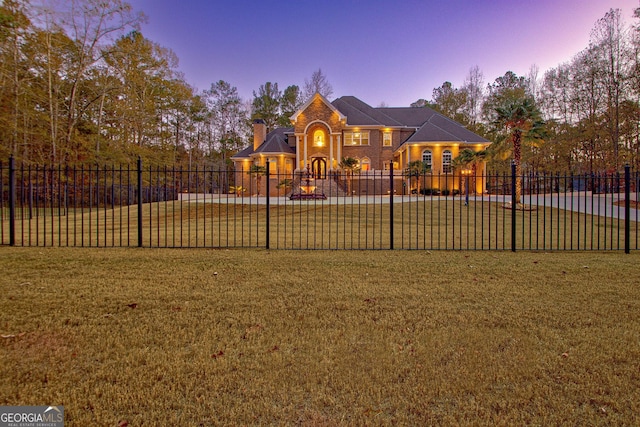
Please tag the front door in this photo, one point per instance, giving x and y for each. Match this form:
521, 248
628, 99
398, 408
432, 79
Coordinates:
319, 168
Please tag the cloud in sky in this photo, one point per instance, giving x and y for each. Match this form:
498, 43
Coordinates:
378, 50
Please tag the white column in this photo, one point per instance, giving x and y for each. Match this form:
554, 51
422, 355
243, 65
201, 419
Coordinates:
339, 148
331, 139
297, 165
306, 160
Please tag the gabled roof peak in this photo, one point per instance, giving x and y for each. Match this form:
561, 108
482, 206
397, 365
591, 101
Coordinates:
310, 101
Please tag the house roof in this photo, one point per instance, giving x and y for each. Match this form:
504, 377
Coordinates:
426, 124
430, 126
409, 116
243, 154
441, 128
361, 114
276, 142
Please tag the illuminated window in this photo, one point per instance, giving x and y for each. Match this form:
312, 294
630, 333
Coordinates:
386, 139
356, 138
318, 138
427, 158
365, 164
446, 161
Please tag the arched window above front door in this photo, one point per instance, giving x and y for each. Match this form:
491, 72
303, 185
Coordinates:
318, 138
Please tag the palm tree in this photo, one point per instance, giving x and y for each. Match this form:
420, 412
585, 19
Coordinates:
351, 166
467, 162
464, 160
286, 184
258, 171
237, 189
469, 159
416, 168
522, 120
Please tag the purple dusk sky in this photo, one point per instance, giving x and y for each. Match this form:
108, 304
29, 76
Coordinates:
391, 51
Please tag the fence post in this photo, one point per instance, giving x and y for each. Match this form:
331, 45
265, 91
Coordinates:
391, 197
514, 205
139, 202
12, 202
627, 209
268, 214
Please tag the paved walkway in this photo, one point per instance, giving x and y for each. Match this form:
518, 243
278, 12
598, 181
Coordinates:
585, 202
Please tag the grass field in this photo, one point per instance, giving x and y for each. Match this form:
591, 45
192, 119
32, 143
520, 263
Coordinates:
429, 223
255, 337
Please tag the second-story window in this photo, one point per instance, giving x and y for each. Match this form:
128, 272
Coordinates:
356, 138
386, 139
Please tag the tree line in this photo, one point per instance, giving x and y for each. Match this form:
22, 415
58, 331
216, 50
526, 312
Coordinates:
584, 114
79, 82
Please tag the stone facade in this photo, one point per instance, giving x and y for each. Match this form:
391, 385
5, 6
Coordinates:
317, 111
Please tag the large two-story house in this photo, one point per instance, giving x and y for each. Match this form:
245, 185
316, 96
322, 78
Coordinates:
324, 133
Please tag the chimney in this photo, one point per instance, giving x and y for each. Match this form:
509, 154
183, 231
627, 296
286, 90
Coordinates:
259, 133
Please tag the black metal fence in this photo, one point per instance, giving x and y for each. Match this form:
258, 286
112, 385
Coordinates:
98, 206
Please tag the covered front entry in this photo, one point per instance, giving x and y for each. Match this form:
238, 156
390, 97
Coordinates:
319, 168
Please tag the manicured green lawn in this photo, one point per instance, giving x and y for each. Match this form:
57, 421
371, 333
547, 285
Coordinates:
240, 337
426, 223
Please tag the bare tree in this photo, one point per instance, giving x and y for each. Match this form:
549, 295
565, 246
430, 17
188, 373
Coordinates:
318, 83
47, 16
608, 39
90, 23
533, 81
635, 80
14, 27
474, 86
